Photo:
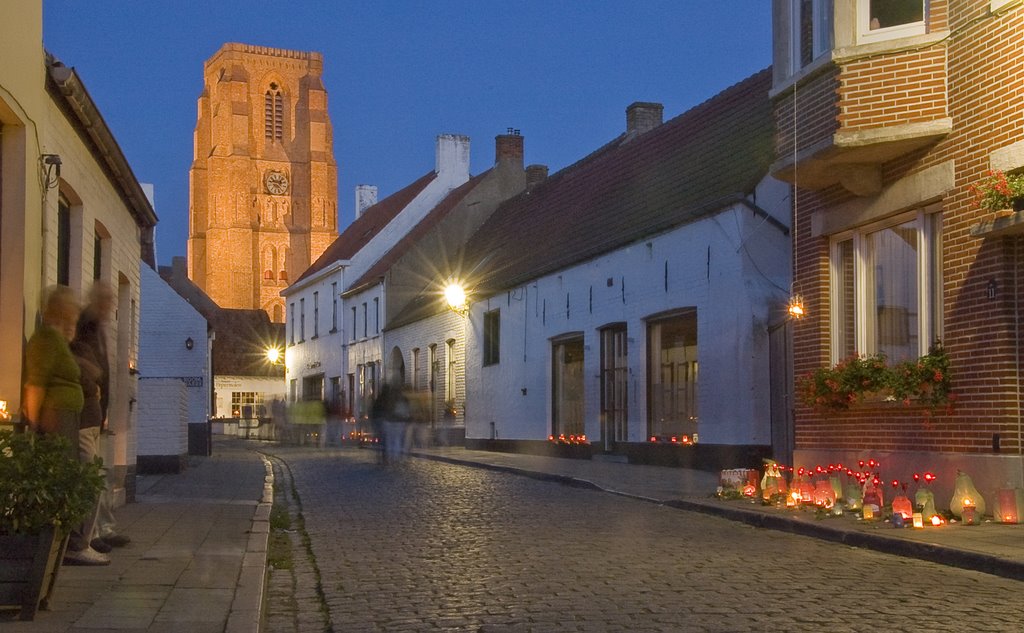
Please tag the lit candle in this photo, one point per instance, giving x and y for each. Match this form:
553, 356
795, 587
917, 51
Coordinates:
868, 513
918, 520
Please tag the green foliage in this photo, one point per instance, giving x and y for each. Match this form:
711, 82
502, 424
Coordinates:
997, 190
924, 381
40, 486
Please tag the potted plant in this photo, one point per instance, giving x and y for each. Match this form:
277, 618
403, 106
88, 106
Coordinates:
924, 381
999, 193
43, 493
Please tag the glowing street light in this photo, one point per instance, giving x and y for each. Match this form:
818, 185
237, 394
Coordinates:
273, 355
455, 297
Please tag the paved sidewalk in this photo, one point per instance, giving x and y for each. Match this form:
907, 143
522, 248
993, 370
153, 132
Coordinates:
991, 547
196, 561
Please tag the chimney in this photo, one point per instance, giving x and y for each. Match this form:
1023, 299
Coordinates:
508, 147
642, 117
535, 174
366, 196
453, 156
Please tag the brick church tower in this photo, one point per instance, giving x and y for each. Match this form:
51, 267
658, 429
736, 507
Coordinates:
263, 183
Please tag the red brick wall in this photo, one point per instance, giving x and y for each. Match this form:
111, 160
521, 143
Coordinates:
985, 62
817, 113
893, 89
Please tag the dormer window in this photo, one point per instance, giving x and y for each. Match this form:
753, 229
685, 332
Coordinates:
273, 113
879, 20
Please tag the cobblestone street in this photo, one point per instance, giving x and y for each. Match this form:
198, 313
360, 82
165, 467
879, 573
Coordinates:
426, 546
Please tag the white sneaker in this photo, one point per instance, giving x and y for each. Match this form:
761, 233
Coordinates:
87, 556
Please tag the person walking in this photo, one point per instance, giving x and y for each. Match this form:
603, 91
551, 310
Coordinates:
53, 397
91, 344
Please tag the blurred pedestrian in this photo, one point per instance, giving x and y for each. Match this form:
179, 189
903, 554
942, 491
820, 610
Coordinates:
54, 397
91, 344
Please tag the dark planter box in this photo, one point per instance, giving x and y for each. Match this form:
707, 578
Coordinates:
28, 569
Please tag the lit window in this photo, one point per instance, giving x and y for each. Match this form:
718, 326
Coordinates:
673, 373
887, 288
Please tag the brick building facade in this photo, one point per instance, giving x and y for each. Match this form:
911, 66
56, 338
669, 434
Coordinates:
884, 122
263, 183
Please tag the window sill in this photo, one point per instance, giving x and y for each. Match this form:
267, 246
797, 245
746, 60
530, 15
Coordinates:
893, 45
999, 226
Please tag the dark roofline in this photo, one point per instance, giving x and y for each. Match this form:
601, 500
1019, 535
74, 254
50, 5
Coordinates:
376, 272
712, 155
362, 229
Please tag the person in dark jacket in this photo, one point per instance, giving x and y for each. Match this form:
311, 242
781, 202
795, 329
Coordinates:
91, 335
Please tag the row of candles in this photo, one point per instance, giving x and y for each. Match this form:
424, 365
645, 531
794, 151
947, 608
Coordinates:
865, 493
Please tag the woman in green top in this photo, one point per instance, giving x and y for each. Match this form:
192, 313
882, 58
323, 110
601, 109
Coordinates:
53, 394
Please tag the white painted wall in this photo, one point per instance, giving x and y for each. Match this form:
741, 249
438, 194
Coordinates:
166, 321
329, 353
163, 417
271, 388
322, 349
436, 330
732, 266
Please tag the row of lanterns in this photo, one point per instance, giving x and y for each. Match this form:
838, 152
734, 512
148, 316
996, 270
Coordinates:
864, 493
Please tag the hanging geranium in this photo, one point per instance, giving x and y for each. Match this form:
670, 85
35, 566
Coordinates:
924, 381
998, 191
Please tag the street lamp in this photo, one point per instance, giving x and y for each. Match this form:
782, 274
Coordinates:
273, 355
455, 297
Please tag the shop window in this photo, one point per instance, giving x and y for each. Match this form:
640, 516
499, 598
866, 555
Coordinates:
672, 375
246, 404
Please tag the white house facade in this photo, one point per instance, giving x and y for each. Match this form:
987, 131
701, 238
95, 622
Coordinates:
660, 339
625, 304
325, 332
174, 375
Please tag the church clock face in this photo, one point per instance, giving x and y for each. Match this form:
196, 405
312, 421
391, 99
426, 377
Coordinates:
276, 182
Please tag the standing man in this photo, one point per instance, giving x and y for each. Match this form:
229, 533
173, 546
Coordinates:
91, 342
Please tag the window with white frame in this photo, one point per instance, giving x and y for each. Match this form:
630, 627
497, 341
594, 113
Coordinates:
879, 20
810, 32
887, 287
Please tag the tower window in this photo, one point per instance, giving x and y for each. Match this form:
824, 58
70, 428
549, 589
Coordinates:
273, 113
